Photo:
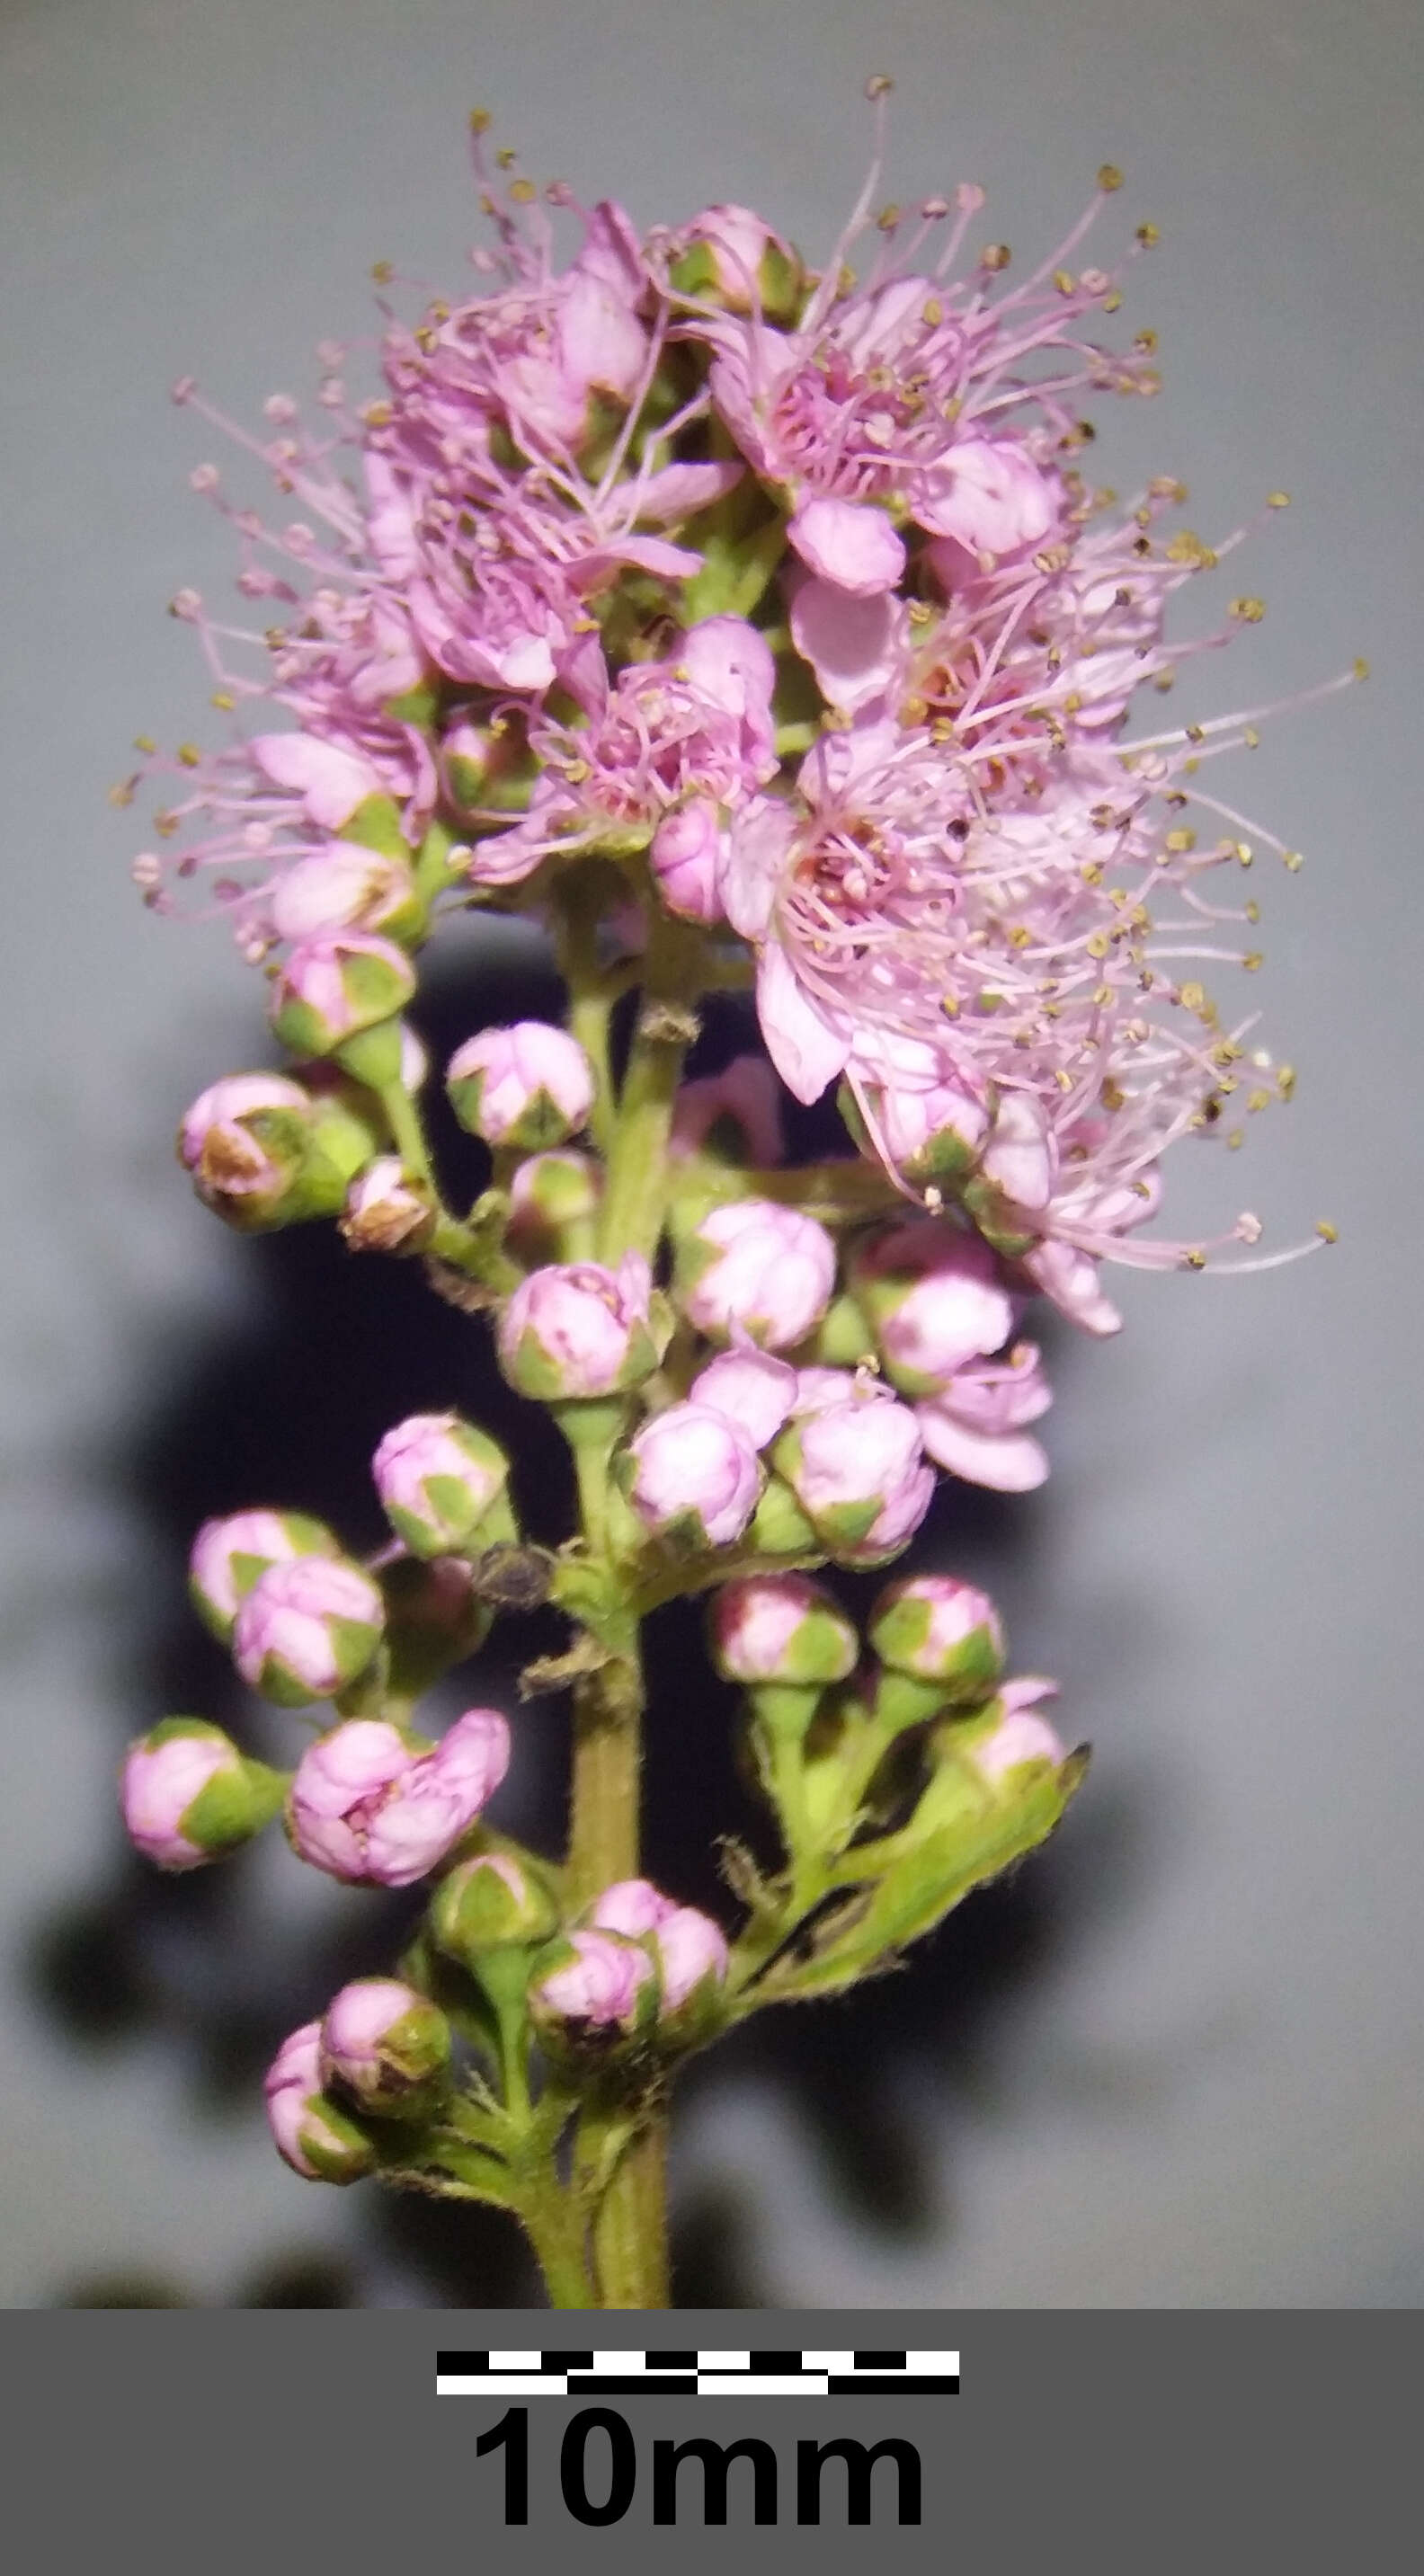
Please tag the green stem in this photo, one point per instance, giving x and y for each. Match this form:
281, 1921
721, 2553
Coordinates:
635, 1202
630, 2237
554, 2227
591, 997
408, 1134
607, 1762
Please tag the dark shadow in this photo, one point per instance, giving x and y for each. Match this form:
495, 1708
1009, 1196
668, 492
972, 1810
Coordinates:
287, 1408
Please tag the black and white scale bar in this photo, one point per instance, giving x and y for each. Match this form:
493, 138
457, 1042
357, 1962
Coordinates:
697, 2374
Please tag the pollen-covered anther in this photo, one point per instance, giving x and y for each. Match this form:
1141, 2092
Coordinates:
1249, 611
1327, 1232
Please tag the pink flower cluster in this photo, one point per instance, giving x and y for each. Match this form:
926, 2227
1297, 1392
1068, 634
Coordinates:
608, 520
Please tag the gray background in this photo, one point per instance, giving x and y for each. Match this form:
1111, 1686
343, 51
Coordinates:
1191, 2071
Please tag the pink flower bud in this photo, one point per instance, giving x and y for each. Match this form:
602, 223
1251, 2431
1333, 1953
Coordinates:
437, 1477
692, 1951
490, 1903
245, 1141
974, 1426
631, 1906
932, 1134
1019, 1733
344, 887
374, 1807
307, 1629
687, 1945
388, 1209
939, 1630
577, 1330
935, 1298
334, 985
313, 2135
549, 1192
751, 1388
188, 1794
229, 1554
853, 1459
528, 1085
745, 1095
781, 1628
385, 2044
760, 1267
693, 1474
686, 856
598, 1988
729, 253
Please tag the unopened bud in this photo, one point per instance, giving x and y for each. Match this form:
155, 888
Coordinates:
385, 2045
931, 1135
388, 1209
760, 1269
337, 984
688, 1947
189, 1795
686, 857
576, 1330
1014, 1731
491, 1902
934, 1299
549, 1193
437, 1477
307, 1629
488, 768
781, 1628
853, 1459
246, 1142
530, 1085
728, 256
753, 1390
346, 887
230, 1553
602, 1989
312, 2133
691, 1476
942, 1631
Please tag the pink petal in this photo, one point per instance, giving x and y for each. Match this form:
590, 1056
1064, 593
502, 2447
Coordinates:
847, 543
805, 1049
753, 860
852, 644
1011, 1464
331, 782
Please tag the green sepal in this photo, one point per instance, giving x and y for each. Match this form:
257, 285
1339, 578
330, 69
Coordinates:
911, 1883
234, 1806
778, 1527
376, 825
842, 1338
345, 2153
987, 1205
695, 271
418, 706
970, 1673
373, 1055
